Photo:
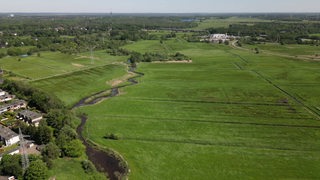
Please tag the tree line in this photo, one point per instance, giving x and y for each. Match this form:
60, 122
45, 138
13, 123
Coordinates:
56, 133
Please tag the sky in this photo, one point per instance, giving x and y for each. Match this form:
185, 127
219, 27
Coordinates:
159, 6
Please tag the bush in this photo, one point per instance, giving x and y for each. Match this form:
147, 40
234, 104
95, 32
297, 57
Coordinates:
51, 151
74, 148
112, 136
88, 166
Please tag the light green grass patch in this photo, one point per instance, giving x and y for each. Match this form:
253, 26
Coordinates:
66, 169
72, 87
54, 63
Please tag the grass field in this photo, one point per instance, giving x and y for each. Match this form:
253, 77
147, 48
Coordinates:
228, 115
74, 86
66, 169
54, 63
292, 49
318, 34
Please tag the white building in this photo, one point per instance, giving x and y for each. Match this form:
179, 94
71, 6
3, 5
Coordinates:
8, 136
221, 38
2, 93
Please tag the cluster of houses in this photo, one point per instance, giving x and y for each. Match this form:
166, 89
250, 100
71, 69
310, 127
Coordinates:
9, 103
218, 38
4, 96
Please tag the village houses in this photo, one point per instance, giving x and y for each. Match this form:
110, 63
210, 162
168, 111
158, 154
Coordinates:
15, 105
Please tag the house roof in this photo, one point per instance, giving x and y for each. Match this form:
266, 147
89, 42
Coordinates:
7, 133
15, 103
30, 114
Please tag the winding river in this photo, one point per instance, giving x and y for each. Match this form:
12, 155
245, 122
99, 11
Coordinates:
106, 162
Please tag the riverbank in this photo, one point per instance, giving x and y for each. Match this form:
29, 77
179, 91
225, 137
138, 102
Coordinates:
107, 161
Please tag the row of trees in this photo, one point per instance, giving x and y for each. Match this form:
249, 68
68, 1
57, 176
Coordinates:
149, 57
11, 165
273, 31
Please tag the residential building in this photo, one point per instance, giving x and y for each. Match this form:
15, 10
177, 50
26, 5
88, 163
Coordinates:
8, 136
2, 92
217, 38
18, 104
6, 97
30, 117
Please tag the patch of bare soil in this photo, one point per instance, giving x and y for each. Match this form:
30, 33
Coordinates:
182, 61
118, 81
77, 65
86, 57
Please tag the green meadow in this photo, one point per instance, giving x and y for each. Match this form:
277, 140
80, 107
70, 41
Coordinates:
292, 49
229, 114
54, 63
64, 169
70, 88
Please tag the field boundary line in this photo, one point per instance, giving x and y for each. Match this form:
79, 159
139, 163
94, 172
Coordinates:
309, 109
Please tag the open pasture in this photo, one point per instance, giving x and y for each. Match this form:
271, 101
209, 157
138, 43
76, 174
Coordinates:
289, 49
228, 115
54, 63
74, 86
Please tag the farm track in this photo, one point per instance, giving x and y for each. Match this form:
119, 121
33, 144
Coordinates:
108, 162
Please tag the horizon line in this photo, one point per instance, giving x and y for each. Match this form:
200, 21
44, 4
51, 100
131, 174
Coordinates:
240, 12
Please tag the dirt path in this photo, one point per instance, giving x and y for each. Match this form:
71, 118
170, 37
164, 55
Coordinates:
107, 162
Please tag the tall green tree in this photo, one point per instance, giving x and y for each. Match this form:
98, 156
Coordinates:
51, 150
44, 133
36, 171
74, 148
10, 165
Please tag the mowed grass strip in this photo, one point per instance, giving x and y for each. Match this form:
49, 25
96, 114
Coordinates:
72, 87
211, 120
